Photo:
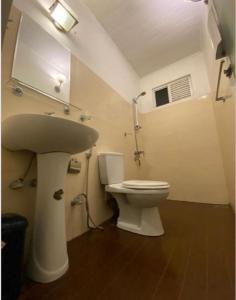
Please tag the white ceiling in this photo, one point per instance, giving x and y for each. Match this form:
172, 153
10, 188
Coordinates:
151, 33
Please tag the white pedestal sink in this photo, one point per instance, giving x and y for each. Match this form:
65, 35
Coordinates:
54, 139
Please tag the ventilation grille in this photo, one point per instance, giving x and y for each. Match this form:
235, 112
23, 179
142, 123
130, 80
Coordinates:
180, 88
172, 91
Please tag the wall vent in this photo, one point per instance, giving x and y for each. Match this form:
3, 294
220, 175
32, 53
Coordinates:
178, 89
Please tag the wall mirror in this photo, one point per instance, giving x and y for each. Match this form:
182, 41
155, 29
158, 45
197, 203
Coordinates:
41, 62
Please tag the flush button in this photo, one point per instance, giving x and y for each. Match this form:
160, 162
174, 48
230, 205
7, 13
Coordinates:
58, 194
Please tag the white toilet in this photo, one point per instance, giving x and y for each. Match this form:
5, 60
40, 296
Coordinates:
137, 199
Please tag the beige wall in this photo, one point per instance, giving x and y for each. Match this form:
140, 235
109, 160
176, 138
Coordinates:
181, 146
225, 122
224, 112
111, 116
225, 118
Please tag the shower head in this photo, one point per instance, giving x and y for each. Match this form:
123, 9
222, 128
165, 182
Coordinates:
140, 95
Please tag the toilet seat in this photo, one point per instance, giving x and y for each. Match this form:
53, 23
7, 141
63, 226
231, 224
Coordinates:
119, 188
145, 184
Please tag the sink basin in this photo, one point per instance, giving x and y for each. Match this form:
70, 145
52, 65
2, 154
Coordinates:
46, 133
54, 139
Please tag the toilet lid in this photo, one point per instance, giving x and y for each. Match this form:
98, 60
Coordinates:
145, 184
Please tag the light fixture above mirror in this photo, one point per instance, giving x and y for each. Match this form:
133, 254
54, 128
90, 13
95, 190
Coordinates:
63, 16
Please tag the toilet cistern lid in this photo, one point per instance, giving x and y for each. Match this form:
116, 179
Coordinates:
145, 184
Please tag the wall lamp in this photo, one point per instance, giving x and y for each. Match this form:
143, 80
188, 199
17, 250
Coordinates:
60, 79
62, 15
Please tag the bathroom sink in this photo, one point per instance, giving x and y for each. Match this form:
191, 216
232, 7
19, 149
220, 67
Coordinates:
54, 139
46, 133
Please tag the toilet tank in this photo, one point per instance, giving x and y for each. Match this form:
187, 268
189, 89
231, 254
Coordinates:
111, 167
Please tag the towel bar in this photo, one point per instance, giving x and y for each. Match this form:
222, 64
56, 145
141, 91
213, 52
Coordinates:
218, 83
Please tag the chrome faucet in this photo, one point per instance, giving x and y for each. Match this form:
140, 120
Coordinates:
84, 118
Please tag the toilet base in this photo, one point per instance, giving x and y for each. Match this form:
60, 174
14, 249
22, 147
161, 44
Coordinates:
144, 221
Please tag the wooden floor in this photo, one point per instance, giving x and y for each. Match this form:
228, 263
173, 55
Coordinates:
194, 260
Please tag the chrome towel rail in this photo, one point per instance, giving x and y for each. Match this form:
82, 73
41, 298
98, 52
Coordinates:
218, 83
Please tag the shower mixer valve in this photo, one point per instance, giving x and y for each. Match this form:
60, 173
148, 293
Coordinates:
137, 154
137, 127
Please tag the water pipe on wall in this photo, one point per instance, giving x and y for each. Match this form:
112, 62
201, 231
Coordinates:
137, 127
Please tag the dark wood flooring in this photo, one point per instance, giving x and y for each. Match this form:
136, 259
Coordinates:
194, 260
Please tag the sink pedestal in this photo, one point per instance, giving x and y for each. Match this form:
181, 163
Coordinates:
49, 259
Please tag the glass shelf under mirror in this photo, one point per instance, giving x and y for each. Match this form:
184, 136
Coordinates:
28, 94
